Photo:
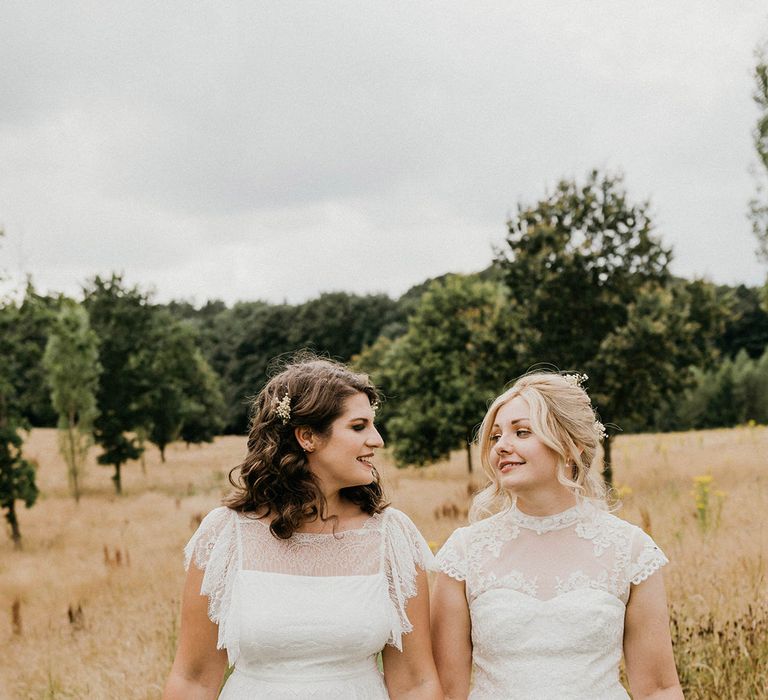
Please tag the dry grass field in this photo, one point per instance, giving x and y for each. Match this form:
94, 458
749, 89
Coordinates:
89, 608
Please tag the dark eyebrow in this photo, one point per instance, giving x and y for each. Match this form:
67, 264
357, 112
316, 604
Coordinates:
365, 420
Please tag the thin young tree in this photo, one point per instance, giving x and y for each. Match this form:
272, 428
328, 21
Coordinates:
759, 204
71, 362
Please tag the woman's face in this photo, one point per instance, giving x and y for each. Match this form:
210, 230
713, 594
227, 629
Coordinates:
523, 462
345, 456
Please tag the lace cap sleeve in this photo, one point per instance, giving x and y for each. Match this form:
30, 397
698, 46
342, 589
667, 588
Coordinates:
645, 557
452, 557
214, 549
405, 551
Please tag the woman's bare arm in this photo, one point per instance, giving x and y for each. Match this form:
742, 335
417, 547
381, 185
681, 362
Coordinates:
648, 645
451, 637
411, 673
199, 666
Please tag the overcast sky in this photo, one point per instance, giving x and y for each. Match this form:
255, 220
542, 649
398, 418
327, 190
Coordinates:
275, 150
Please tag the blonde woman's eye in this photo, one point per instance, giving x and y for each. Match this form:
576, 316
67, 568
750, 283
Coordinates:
522, 432
494, 438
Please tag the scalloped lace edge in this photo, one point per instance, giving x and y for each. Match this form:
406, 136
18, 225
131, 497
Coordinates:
451, 570
650, 568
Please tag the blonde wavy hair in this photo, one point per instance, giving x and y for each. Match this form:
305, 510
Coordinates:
562, 417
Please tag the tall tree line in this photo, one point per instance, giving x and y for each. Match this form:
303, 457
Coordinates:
582, 283
239, 344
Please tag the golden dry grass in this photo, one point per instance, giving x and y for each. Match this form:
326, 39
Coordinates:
122, 644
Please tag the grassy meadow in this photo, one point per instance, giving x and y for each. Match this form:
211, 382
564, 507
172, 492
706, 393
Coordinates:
90, 607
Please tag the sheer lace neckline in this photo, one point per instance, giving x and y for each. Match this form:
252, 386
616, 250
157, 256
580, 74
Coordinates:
368, 524
548, 523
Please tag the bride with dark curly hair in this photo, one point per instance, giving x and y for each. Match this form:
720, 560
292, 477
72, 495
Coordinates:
305, 573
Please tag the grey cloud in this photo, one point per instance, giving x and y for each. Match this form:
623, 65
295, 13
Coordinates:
158, 137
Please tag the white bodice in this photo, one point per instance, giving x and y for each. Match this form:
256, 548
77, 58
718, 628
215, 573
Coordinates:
306, 617
547, 598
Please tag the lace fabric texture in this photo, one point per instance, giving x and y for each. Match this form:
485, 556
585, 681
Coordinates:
547, 598
305, 617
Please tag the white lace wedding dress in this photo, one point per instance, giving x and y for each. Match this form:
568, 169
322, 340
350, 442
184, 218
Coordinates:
547, 598
306, 617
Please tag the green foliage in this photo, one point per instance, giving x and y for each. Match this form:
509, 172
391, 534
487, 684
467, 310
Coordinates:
645, 361
759, 205
34, 318
733, 393
204, 409
122, 319
17, 475
203, 319
589, 279
71, 361
573, 263
439, 376
340, 324
247, 338
746, 322
181, 389
250, 335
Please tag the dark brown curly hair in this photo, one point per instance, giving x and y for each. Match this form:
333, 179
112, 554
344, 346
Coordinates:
274, 479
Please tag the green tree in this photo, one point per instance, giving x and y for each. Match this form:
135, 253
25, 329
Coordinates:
746, 321
734, 392
241, 343
17, 475
759, 205
646, 361
253, 334
122, 319
204, 408
748, 389
439, 376
204, 319
590, 281
182, 389
71, 361
761, 403
36, 315
574, 261
341, 324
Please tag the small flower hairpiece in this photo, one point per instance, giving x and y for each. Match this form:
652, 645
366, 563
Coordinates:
375, 406
600, 429
576, 380
283, 408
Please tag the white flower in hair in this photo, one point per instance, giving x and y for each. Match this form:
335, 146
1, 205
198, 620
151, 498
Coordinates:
283, 408
375, 406
576, 379
601, 431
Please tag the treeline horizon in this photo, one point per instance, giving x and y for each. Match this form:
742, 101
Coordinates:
581, 284
356, 322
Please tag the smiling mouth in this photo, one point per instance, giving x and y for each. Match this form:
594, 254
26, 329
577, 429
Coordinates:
367, 460
506, 467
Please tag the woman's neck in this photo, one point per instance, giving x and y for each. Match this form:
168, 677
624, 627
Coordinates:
338, 514
546, 503
335, 504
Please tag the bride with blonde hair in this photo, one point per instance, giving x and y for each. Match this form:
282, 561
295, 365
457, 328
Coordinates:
541, 594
